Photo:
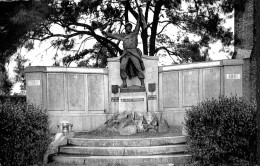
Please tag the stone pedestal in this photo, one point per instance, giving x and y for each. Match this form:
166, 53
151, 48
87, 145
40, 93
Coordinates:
132, 99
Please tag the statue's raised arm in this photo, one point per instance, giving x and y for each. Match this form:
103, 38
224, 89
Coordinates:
137, 27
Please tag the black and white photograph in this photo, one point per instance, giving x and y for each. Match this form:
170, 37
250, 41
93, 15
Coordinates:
130, 82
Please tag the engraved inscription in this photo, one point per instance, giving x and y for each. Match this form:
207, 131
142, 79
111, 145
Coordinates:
34, 82
233, 76
114, 99
132, 100
152, 97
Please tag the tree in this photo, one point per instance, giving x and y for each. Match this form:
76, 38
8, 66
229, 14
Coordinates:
5, 83
256, 53
11, 37
83, 19
19, 70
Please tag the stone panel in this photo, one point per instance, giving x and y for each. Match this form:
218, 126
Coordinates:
170, 89
95, 93
55, 92
76, 92
211, 83
190, 87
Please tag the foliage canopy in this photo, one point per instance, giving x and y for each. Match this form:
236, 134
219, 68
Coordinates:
12, 35
82, 19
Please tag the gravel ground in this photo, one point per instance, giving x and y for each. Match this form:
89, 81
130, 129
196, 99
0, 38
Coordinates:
173, 131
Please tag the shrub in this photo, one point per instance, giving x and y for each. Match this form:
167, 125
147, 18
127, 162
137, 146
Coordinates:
6, 98
222, 132
24, 134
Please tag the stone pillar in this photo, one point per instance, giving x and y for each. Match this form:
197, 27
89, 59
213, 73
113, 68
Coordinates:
36, 85
233, 77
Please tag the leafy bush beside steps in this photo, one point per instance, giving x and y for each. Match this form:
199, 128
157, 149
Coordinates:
222, 132
24, 134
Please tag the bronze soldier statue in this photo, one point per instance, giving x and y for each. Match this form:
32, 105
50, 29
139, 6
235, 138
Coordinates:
131, 63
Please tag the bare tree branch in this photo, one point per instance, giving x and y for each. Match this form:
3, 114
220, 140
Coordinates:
82, 43
147, 11
163, 28
167, 50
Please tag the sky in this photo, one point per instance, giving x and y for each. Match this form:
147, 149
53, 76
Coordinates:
43, 54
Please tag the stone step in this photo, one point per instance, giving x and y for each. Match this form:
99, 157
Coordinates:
124, 142
124, 151
153, 160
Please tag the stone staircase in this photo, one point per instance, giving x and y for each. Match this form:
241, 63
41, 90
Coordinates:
153, 151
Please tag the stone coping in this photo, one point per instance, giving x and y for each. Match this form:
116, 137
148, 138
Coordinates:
198, 65
84, 70
143, 57
55, 69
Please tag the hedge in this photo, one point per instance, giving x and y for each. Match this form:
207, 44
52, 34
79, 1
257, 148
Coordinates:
24, 133
5, 98
222, 132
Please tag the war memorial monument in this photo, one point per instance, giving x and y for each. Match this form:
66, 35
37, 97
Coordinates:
132, 95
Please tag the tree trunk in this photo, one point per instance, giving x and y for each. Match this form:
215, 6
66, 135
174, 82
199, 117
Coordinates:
144, 33
144, 37
3, 79
126, 13
157, 11
257, 55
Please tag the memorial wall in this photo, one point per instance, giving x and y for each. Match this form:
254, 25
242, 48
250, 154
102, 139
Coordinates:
87, 97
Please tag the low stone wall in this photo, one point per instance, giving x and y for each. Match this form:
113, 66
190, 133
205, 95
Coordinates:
77, 95
182, 86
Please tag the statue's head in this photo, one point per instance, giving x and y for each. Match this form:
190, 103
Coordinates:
128, 27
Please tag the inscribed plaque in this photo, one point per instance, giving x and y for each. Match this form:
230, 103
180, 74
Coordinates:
170, 89
76, 92
190, 87
55, 92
